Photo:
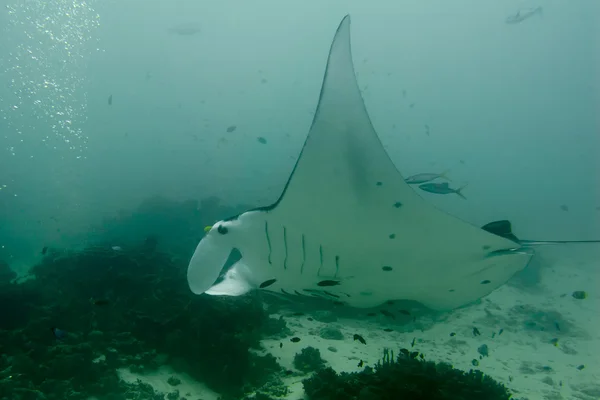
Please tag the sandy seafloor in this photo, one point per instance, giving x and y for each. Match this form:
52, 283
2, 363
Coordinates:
523, 357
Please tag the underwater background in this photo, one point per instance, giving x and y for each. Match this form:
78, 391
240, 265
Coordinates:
127, 127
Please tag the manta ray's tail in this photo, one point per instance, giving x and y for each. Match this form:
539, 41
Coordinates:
503, 228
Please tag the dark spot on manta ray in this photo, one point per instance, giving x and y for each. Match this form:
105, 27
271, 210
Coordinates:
328, 282
386, 268
222, 230
485, 282
267, 283
397, 204
379, 183
392, 236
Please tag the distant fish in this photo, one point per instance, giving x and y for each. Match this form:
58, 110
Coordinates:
231, 128
58, 333
261, 140
564, 208
579, 295
110, 100
99, 302
523, 14
188, 29
441, 188
359, 338
295, 339
426, 177
360, 364
44, 250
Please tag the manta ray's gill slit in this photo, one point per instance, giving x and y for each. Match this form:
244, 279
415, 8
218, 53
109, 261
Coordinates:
268, 241
303, 254
321, 260
285, 248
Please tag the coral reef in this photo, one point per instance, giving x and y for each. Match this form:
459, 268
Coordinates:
309, 359
408, 376
122, 307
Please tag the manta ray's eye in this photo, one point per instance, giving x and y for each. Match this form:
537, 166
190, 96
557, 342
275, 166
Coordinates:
222, 230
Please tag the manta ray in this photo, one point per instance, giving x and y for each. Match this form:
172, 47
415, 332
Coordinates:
348, 228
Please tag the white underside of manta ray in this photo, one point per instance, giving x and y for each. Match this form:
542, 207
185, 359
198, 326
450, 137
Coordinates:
348, 228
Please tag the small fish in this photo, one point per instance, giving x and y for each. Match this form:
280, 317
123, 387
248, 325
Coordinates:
554, 342
579, 295
427, 129
328, 282
476, 332
452, 334
500, 331
557, 326
564, 208
45, 250
231, 128
280, 345
110, 100
99, 302
58, 333
412, 105
426, 177
267, 283
261, 140
207, 228
359, 338
442, 188
475, 362
295, 339
360, 364
523, 14
581, 367
412, 344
